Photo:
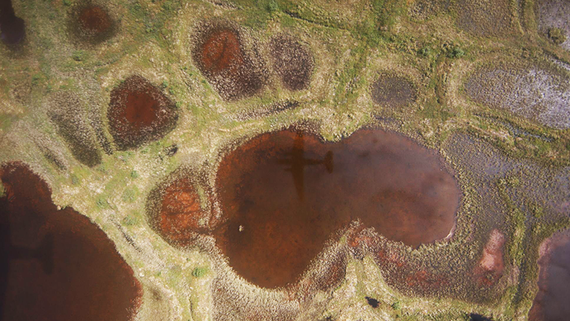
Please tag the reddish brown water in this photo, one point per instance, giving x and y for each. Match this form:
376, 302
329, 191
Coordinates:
551, 302
139, 112
285, 194
12, 28
57, 265
94, 20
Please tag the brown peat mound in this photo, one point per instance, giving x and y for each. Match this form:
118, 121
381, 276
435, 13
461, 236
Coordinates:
139, 113
220, 57
393, 91
56, 264
292, 61
285, 194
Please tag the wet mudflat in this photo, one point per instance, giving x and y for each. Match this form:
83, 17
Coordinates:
139, 113
220, 56
12, 28
551, 302
57, 265
285, 194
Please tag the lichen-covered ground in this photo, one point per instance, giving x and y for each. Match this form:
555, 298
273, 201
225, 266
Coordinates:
482, 84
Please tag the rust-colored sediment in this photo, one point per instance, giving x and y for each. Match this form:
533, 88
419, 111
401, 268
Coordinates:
284, 195
94, 20
181, 215
56, 264
222, 52
220, 57
139, 112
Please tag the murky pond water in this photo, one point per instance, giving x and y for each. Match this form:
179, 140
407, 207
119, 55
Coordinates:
285, 194
56, 264
551, 302
12, 28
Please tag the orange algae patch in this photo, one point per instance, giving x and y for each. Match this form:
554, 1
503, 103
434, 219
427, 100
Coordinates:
180, 214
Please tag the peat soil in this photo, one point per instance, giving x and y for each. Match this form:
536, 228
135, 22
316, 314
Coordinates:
139, 113
69, 116
393, 91
56, 264
292, 61
12, 28
285, 194
220, 56
551, 302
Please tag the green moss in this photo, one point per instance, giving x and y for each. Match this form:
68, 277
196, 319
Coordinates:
199, 272
130, 194
134, 174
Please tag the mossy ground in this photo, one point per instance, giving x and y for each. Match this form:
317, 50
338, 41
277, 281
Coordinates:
352, 43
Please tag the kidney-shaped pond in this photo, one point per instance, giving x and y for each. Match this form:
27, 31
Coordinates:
285, 194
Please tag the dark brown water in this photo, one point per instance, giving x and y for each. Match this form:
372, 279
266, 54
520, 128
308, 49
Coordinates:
553, 298
57, 265
285, 194
139, 112
12, 28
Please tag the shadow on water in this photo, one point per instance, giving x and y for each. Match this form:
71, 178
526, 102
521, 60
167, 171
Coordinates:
12, 28
56, 264
285, 194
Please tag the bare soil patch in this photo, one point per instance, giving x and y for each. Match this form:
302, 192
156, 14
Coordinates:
393, 91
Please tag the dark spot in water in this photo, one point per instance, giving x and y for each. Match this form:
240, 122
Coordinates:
139, 113
292, 61
220, 56
12, 28
393, 91
285, 194
56, 264
372, 302
93, 24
